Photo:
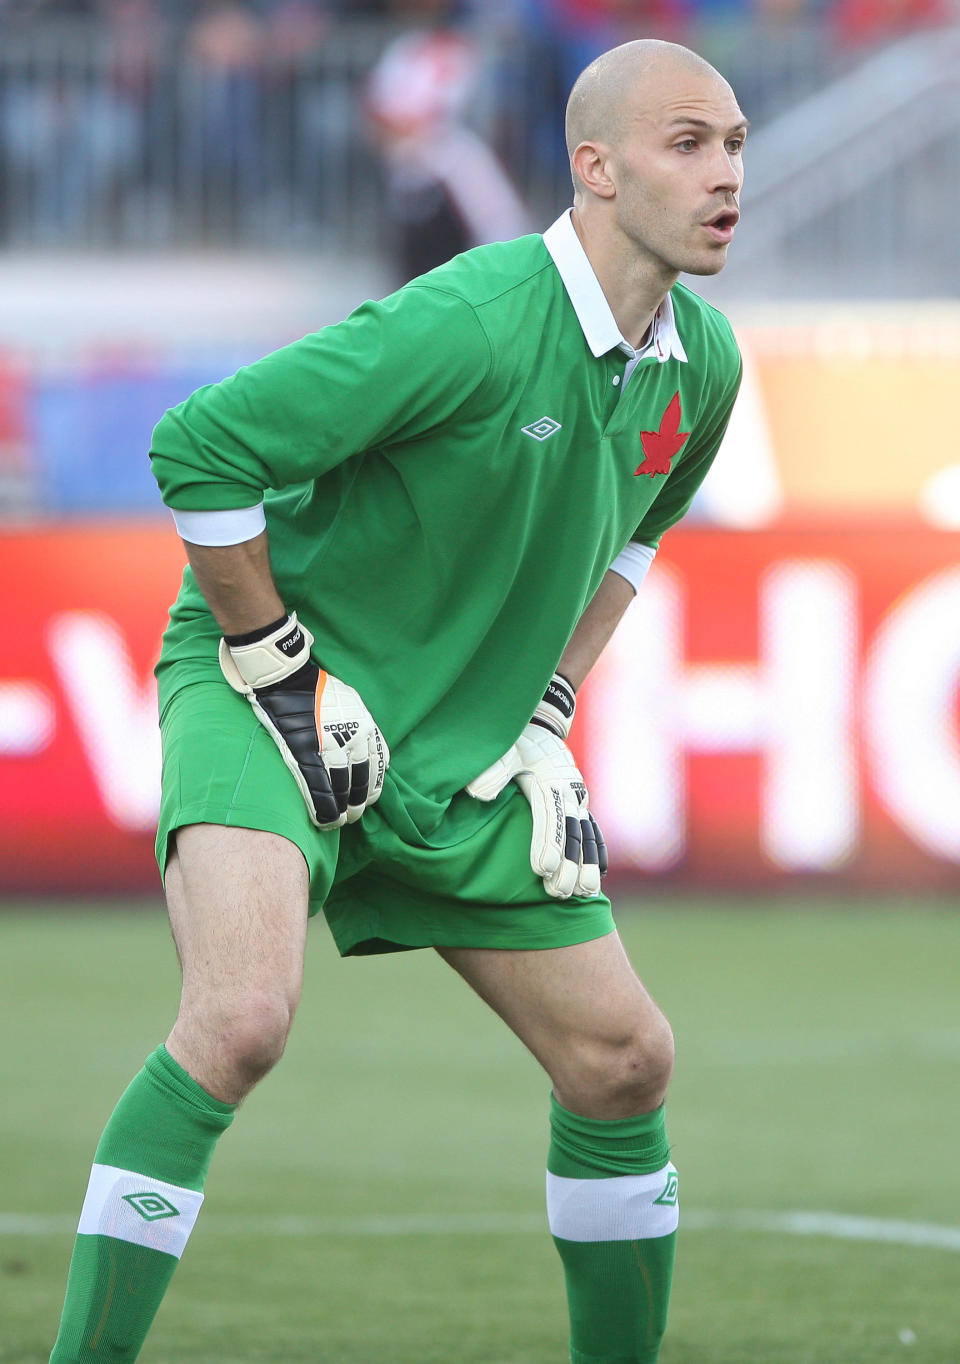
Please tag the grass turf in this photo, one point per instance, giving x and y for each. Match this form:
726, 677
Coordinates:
817, 1061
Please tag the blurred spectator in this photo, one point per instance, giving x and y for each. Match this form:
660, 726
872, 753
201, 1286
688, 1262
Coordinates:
223, 110
67, 141
446, 190
550, 43
308, 116
175, 121
139, 47
293, 28
582, 29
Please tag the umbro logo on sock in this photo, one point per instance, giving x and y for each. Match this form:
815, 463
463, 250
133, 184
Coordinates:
668, 1199
542, 429
151, 1206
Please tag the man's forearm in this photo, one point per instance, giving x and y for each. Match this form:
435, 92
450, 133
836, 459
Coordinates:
595, 627
237, 583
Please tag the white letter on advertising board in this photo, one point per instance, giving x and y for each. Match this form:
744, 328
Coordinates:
115, 717
808, 639
795, 708
910, 714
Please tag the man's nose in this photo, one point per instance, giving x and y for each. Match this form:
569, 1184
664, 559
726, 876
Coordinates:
726, 172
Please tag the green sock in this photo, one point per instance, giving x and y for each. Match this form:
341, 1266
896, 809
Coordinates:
612, 1205
144, 1194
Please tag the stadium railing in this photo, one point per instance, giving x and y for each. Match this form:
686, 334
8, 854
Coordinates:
138, 139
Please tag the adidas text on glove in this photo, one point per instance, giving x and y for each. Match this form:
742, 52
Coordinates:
326, 736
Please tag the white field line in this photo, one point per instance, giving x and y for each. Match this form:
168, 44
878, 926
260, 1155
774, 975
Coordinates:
836, 1226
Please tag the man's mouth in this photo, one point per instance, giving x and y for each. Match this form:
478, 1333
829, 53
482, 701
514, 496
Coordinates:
721, 225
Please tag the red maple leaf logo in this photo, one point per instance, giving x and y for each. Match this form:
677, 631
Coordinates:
659, 447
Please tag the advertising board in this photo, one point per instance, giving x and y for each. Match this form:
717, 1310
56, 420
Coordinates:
776, 706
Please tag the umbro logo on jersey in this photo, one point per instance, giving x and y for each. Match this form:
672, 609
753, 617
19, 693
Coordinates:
542, 429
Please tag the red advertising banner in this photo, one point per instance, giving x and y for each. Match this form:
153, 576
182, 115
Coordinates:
782, 704
82, 614
776, 707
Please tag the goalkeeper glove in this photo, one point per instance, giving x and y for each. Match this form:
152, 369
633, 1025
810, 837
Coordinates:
567, 849
324, 732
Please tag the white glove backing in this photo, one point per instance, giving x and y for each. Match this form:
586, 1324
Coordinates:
325, 734
567, 848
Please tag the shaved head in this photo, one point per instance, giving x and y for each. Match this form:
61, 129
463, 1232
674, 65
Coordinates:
606, 94
656, 139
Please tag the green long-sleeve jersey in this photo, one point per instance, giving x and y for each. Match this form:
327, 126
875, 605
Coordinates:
446, 476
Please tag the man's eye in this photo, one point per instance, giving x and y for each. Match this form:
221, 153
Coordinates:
735, 145
687, 144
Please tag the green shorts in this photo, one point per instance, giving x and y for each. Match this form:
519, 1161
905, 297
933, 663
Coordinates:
468, 884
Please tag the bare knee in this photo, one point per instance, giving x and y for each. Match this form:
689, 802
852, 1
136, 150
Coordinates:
230, 1042
251, 1033
620, 1072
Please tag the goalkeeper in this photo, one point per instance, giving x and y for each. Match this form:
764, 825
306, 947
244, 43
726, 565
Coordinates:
410, 536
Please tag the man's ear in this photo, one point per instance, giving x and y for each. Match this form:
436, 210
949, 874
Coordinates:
591, 165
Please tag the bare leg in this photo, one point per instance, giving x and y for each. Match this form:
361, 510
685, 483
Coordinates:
238, 909
611, 1190
585, 1016
238, 906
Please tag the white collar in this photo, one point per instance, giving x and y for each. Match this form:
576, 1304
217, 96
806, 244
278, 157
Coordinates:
590, 304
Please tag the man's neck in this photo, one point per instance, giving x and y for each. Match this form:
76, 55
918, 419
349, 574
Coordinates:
633, 290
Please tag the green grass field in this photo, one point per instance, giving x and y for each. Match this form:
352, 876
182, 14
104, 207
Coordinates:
379, 1200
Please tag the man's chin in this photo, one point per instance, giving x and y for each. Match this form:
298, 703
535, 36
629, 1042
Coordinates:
710, 265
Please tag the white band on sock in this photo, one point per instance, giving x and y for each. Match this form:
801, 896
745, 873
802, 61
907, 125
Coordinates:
132, 1207
625, 1208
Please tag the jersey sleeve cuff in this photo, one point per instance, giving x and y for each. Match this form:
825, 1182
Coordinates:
633, 562
220, 527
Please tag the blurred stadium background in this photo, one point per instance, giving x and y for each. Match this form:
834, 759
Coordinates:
185, 186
